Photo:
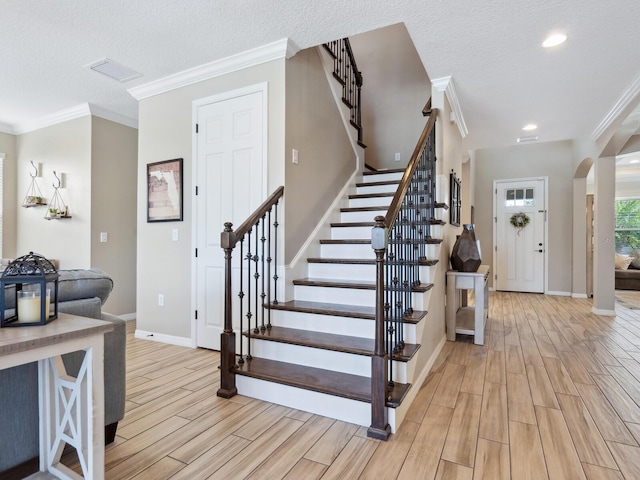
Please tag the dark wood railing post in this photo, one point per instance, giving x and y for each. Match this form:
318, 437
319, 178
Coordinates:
227, 337
379, 428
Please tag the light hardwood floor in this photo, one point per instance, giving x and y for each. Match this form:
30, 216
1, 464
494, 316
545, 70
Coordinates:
554, 393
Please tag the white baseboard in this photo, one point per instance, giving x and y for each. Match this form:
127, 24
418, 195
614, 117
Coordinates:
558, 294
128, 316
162, 338
579, 295
608, 313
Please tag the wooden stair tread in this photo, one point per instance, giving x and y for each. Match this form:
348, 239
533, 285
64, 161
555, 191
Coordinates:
355, 284
363, 261
339, 384
357, 196
378, 184
365, 209
365, 241
433, 221
339, 310
328, 341
441, 205
382, 172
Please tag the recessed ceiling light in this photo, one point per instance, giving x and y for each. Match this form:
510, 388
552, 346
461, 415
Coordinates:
635, 161
529, 127
554, 40
114, 70
530, 138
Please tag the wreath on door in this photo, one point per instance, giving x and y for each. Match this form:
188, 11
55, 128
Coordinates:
519, 220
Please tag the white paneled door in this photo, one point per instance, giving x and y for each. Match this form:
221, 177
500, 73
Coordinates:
230, 173
520, 250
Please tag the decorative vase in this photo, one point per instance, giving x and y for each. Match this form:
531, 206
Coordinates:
465, 256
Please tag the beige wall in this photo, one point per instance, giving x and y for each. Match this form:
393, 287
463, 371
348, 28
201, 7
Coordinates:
9, 195
326, 158
395, 89
65, 148
114, 155
98, 160
553, 160
165, 132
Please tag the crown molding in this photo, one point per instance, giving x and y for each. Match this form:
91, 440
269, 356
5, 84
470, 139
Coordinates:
61, 116
6, 128
113, 116
625, 100
283, 48
445, 84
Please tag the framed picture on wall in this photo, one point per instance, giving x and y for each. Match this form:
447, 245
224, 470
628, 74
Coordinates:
164, 191
455, 199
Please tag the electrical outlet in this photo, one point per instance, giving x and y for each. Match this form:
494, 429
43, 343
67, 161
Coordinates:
294, 157
174, 234
104, 237
397, 156
160, 300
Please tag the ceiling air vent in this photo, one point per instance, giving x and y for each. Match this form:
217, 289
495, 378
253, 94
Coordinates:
108, 67
529, 139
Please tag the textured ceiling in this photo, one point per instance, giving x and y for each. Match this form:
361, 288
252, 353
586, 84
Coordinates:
491, 48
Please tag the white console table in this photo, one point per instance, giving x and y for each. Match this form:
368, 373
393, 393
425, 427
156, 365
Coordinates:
461, 318
71, 409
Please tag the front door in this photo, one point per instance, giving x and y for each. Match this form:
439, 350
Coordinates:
520, 235
230, 163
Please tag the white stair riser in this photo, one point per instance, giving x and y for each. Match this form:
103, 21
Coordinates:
347, 233
367, 216
312, 357
344, 409
347, 251
376, 189
338, 270
381, 177
345, 296
354, 272
370, 202
355, 327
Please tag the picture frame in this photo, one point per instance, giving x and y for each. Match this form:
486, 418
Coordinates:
455, 200
165, 191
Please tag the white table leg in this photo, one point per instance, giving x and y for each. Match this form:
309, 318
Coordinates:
478, 337
72, 412
452, 308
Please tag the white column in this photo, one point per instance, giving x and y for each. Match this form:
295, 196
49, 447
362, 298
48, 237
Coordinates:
579, 260
604, 241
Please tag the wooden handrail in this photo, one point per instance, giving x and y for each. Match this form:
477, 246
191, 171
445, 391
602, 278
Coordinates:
426, 111
396, 203
230, 238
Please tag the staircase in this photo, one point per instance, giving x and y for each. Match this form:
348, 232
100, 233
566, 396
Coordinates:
317, 354
346, 345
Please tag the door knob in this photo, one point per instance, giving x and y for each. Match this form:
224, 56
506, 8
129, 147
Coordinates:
538, 250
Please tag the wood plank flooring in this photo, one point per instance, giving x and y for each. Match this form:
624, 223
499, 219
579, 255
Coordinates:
553, 394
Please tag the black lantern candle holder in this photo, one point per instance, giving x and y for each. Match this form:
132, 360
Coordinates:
29, 292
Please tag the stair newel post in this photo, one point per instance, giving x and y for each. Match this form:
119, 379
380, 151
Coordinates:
227, 337
379, 428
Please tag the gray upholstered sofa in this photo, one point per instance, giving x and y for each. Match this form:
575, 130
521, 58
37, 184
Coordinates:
80, 292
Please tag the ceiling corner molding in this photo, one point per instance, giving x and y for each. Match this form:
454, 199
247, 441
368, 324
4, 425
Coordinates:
6, 128
272, 51
445, 84
627, 97
113, 117
54, 118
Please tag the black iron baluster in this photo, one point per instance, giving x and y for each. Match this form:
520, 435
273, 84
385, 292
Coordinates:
269, 268
241, 297
256, 276
249, 314
263, 294
275, 256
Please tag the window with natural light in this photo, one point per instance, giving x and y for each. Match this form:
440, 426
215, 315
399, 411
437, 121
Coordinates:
627, 230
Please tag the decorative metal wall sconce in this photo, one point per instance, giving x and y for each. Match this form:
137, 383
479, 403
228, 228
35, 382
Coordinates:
34, 197
57, 208
455, 199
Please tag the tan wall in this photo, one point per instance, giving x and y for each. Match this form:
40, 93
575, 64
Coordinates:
114, 154
166, 132
9, 195
553, 160
395, 89
326, 158
65, 148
